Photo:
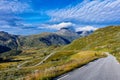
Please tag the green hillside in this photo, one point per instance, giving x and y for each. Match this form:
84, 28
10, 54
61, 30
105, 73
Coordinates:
63, 59
104, 39
42, 40
11, 44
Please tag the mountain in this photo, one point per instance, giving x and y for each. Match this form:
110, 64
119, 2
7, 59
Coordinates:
4, 49
7, 41
104, 39
68, 33
85, 33
61, 37
63, 59
42, 40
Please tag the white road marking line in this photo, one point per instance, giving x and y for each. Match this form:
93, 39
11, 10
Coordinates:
63, 77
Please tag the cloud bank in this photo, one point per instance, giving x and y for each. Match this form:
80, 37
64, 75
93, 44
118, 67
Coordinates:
27, 17
89, 12
9, 11
13, 6
60, 25
86, 28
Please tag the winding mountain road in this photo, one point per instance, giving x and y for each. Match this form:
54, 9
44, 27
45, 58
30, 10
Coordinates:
20, 65
44, 59
102, 69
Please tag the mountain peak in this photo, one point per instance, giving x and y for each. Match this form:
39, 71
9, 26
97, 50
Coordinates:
68, 29
3, 32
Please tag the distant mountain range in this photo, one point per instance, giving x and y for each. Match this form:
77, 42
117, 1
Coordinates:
82, 49
62, 37
85, 33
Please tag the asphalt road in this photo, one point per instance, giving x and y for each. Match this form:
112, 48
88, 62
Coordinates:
102, 69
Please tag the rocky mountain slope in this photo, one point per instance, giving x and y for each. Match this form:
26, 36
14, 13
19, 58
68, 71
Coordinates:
62, 37
68, 33
42, 40
8, 41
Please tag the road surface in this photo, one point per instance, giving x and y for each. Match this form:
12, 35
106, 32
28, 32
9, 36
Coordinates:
44, 59
102, 69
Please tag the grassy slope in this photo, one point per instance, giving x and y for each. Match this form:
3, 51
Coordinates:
78, 53
57, 67
104, 39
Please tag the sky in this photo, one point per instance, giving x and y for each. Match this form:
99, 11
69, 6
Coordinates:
26, 17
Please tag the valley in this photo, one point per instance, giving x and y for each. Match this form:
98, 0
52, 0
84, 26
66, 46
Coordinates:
54, 57
59, 39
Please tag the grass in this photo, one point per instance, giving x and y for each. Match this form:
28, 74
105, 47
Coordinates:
74, 55
105, 39
7, 65
9, 71
74, 61
52, 67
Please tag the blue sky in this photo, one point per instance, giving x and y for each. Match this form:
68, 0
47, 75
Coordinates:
27, 17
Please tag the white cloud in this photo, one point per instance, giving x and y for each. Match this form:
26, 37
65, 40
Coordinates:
86, 28
5, 27
60, 25
8, 10
97, 11
13, 6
